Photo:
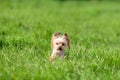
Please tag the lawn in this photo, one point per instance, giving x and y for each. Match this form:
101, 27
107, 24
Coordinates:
26, 27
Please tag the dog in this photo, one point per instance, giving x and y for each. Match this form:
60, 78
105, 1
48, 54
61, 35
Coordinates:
59, 43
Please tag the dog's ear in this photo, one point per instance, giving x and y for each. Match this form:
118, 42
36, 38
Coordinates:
57, 34
65, 36
54, 36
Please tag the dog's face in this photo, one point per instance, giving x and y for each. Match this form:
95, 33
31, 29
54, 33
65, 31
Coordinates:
60, 42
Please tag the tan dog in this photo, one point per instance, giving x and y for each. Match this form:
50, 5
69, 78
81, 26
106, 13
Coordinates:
59, 44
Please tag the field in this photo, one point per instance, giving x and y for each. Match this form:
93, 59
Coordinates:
26, 27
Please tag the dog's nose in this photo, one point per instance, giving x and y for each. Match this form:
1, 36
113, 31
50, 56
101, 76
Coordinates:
60, 48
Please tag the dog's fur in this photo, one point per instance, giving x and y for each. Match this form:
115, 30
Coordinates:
59, 43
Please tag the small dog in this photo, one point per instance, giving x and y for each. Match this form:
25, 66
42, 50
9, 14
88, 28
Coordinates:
59, 43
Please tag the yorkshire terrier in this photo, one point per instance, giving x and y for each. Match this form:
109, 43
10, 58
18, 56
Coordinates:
59, 43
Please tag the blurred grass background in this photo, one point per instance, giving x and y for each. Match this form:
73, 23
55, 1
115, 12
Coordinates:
26, 27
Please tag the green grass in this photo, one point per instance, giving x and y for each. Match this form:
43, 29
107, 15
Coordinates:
25, 33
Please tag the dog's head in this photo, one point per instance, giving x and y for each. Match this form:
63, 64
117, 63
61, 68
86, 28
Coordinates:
60, 42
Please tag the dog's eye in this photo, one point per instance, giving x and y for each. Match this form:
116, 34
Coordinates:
63, 44
57, 43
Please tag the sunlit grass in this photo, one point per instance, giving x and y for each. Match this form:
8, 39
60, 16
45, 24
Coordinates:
25, 33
